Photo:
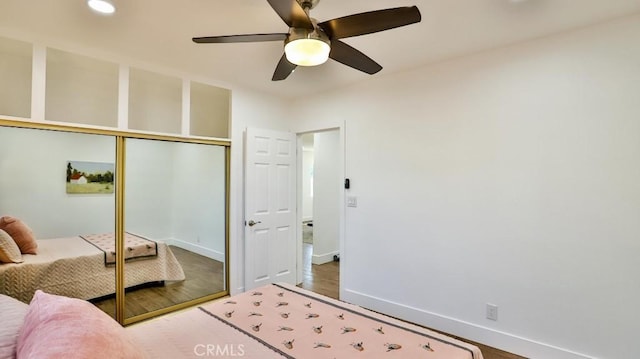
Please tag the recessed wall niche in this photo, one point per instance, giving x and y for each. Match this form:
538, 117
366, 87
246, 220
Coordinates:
81, 89
209, 111
155, 102
15, 72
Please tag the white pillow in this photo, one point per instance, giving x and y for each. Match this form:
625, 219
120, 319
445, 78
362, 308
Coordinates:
12, 313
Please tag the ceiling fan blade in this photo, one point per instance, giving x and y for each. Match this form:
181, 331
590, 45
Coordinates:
351, 57
291, 13
284, 69
370, 22
239, 38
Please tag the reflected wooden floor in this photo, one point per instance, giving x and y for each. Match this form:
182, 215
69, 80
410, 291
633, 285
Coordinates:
325, 279
204, 276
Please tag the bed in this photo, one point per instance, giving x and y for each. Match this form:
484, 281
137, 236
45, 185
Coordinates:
75, 267
256, 324
284, 321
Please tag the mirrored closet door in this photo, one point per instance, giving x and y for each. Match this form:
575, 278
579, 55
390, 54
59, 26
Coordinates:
88, 204
175, 216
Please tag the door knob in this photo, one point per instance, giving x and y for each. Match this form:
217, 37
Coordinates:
253, 223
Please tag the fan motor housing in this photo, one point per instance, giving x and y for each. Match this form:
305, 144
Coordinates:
300, 33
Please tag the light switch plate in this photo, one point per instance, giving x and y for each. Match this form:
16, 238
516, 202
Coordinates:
352, 201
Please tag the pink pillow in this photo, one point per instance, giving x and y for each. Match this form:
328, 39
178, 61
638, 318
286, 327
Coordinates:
21, 234
12, 316
69, 328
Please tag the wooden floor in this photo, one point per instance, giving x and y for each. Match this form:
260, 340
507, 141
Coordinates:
325, 279
322, 279
204, 276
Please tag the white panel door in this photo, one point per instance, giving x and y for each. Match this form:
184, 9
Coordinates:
270, 214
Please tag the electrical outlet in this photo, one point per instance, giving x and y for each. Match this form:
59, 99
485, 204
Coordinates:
492, 312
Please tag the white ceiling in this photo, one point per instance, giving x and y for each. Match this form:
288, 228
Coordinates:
160, 32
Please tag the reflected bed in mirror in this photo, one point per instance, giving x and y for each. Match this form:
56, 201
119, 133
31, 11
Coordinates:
74, 267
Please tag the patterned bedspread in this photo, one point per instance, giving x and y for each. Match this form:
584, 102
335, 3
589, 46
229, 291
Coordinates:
280, 320
135, 247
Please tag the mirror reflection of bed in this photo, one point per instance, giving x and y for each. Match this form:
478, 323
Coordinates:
73, 267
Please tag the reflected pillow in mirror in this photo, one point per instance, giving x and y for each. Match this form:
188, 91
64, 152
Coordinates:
9, 251
21, 234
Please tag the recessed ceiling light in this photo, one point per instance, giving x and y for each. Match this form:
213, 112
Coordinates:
102, 6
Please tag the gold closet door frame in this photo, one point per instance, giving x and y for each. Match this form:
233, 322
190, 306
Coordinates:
120, 183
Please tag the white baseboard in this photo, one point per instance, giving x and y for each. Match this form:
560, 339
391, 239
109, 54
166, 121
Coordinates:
491, 337
323, 258
237, 291
209, 253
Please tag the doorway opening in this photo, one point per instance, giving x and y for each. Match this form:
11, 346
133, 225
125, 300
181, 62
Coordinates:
320, 206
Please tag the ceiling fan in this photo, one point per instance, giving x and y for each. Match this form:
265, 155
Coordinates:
310, 43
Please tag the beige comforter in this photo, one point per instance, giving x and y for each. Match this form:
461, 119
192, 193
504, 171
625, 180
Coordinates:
75, 268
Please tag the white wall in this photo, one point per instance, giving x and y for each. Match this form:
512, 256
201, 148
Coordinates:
198, 199
15, 72
86, 85
507, 177
155, 101
326, 188
149, 189
175, 192
307, 183
33, 182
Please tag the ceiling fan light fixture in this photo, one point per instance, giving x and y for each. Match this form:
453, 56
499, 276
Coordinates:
307, 51
310, 43
102, 6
